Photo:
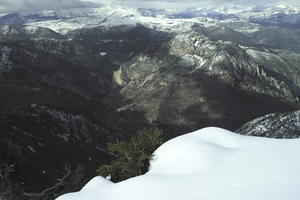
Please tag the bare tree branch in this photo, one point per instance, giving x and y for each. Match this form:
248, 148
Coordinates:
61, 181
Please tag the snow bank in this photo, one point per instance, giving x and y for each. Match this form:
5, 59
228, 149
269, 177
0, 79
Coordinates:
210, 164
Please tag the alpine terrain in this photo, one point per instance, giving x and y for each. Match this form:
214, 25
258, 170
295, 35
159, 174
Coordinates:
74, 79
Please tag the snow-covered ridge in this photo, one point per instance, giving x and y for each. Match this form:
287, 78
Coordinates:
65, 20
275, 125
210, 164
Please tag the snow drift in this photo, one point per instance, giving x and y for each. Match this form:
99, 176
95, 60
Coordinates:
210, 164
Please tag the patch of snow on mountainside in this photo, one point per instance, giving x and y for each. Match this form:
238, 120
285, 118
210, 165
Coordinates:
31, 29
211, 164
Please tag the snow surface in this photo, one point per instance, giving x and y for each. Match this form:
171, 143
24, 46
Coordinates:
210, 164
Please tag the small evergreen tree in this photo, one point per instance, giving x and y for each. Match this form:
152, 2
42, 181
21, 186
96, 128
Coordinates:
132, 158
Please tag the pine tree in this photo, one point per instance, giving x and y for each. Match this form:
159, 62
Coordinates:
132, 158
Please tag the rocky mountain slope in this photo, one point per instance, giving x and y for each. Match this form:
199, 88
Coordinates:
43, 142
275, 125
193, 82
51, 109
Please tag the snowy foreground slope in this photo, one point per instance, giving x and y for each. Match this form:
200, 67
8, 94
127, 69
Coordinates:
210, 164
